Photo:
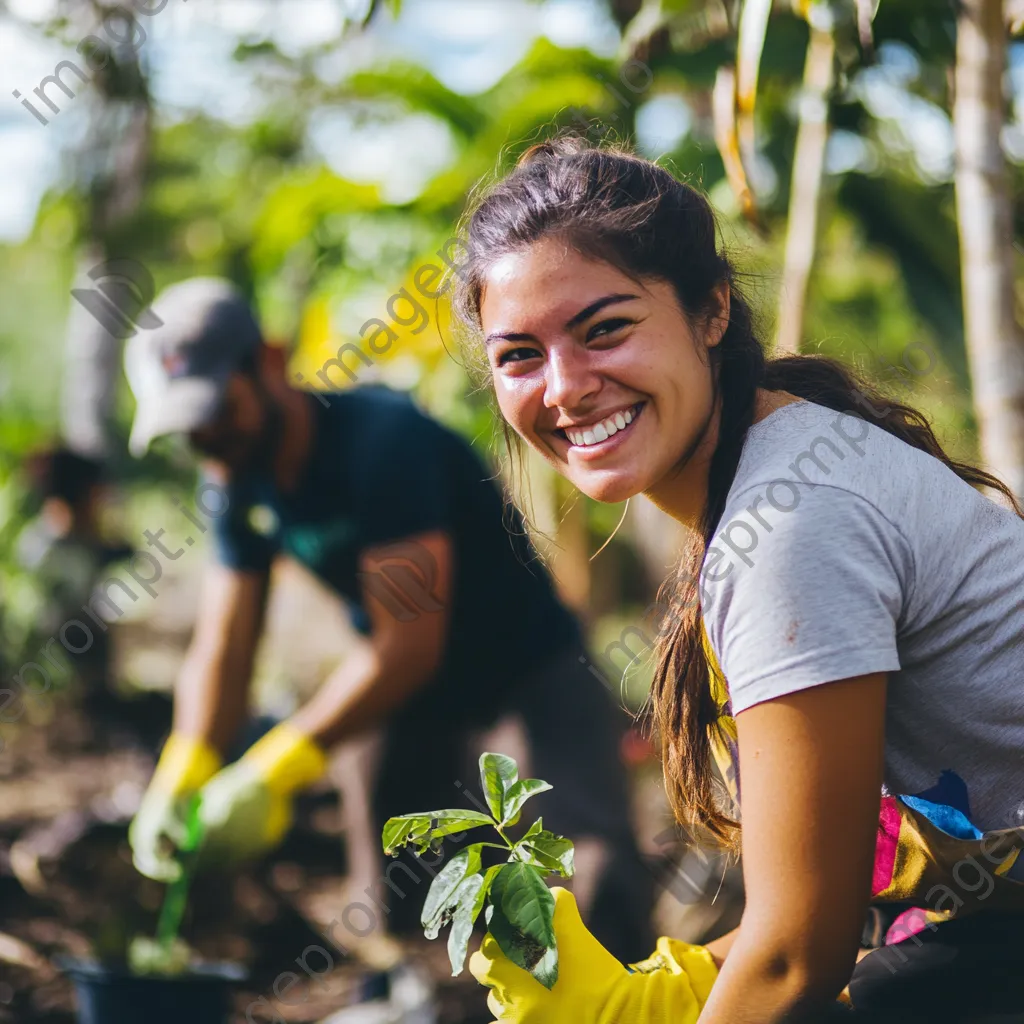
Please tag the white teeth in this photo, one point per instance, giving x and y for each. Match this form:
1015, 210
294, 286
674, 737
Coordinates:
601, 431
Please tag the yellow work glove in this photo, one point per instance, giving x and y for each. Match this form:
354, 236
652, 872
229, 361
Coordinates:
246, 808
158, 829
593, 987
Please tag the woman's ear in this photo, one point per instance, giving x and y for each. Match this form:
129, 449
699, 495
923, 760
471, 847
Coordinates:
718, 321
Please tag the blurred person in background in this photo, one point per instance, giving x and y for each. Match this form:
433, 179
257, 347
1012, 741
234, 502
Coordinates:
459, 619
850, 651
64, 549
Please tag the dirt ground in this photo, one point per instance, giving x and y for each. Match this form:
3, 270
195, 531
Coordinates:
67, 886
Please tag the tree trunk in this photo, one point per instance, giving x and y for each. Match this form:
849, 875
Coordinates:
111, 169
805, 188
995, 346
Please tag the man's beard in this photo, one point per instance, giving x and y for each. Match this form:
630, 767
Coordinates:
242, 453
265, 446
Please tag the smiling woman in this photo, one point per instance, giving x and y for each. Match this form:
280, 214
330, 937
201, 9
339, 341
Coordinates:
876, 641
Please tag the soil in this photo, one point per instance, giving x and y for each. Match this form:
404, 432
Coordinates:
68, 888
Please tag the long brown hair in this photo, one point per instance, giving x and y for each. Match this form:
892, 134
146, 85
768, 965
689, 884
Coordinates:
611, 205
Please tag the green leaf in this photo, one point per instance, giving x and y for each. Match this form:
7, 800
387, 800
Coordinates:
536, 828
176, 896
485, 889
420, 830
524, 950
526, 902
551, 852
465, 899
498, 774
518, 794
407, 85
440, 898
545, 970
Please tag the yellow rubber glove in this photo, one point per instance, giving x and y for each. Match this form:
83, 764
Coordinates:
158, 829
593, 987
246, 808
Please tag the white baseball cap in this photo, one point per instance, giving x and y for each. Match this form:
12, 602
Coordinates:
178, 372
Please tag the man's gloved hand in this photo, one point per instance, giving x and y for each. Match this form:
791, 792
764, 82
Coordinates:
247, 807
593, 987
158, 828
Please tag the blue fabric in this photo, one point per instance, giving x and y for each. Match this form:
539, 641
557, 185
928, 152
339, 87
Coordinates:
949, 819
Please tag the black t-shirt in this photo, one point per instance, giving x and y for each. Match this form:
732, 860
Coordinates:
381, 471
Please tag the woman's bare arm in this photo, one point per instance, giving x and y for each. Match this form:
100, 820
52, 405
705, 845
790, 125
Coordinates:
811, 765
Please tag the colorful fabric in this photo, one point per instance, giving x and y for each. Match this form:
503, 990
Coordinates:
928, 852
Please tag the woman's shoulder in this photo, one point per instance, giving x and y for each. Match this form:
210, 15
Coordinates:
803, 446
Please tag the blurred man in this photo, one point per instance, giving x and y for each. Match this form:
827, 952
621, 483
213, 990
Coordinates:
64, 549
460, 621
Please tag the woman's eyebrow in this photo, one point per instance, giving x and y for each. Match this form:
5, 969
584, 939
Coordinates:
507, 336
581, 317
586, 313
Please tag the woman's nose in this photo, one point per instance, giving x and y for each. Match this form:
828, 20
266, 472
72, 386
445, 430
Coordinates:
570, 377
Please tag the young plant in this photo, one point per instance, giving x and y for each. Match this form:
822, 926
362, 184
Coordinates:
520, 908
167, 954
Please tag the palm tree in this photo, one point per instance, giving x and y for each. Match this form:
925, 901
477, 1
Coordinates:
995, 345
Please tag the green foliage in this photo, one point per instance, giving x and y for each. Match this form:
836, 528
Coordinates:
423, 831
168, 954
521, 911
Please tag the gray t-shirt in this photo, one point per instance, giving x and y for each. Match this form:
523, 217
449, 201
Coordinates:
844, 551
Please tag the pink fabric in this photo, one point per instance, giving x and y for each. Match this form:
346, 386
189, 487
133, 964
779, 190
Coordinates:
909, 923
885, 844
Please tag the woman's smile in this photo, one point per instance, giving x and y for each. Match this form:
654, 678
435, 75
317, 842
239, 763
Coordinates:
600, 435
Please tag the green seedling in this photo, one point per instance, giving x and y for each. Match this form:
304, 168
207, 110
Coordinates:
520, 908
167, 954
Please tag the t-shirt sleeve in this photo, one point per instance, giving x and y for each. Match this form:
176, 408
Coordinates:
237, 544
794, 599
401, 484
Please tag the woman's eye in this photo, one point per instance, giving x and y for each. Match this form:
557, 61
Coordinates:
606, 327
517, 355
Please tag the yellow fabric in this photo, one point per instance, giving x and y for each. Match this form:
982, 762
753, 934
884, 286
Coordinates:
724, 735
287, 759
186, 763
678, 957
158, 828
246, 809
593, 987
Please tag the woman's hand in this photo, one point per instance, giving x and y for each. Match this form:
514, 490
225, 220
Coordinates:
593, 987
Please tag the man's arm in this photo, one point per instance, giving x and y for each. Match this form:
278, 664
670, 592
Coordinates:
212, 691
811, 765
407, 587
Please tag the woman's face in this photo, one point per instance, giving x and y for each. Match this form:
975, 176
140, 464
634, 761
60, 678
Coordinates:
603, 375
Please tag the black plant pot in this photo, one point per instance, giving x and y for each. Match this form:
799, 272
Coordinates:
113, 995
